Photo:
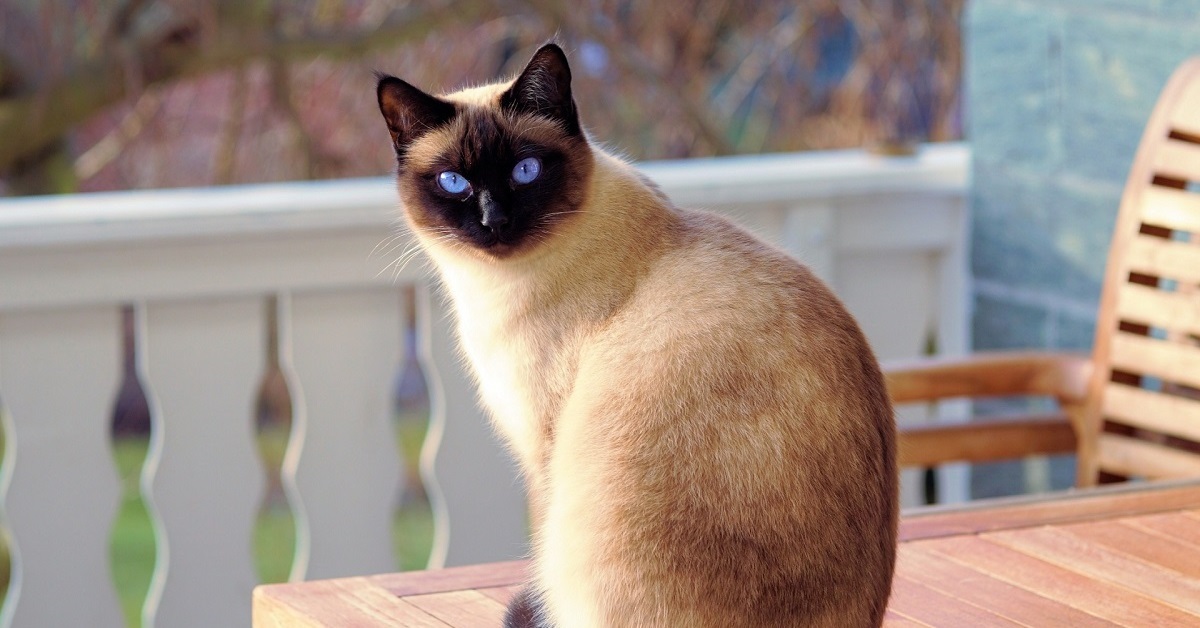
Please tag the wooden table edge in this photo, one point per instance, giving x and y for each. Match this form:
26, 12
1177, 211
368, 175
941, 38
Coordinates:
1076, 505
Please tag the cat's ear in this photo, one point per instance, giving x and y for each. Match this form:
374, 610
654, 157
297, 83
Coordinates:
408, 111
544, 89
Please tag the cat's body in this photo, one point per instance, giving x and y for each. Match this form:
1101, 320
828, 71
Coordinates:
703, 429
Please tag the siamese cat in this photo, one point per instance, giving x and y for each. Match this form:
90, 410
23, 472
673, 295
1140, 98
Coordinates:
704, 432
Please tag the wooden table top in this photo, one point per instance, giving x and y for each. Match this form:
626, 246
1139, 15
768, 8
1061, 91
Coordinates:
1127, 556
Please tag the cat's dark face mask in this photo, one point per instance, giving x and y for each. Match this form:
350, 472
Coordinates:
497, 177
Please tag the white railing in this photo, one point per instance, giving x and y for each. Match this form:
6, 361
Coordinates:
200, 267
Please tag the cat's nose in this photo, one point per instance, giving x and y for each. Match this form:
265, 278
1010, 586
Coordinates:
493, 216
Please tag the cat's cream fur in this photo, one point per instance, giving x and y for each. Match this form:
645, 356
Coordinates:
703, 429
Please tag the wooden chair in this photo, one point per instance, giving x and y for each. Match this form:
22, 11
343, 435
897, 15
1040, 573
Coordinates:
1131, 409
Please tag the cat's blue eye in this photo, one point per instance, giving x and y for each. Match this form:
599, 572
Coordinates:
453, 182
527, 170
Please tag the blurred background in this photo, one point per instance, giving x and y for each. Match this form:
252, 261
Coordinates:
120, 94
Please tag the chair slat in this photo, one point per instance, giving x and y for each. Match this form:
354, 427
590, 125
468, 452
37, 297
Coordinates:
1164, 258
1175, 311
1185, 115
1170, 208
1139, 458
1168, 414
1178, 160
1158, 358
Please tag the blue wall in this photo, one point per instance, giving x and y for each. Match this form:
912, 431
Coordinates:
1057, 94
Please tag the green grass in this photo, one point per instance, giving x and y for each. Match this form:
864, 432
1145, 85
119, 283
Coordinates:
132, 541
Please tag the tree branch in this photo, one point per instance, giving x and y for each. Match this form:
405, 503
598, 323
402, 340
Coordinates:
633, 63
31, 121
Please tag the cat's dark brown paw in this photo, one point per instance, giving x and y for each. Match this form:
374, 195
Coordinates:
526, 611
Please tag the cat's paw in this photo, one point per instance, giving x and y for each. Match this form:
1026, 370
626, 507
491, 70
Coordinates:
526, 611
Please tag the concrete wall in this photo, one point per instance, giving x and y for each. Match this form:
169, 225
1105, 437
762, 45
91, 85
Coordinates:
1057, 94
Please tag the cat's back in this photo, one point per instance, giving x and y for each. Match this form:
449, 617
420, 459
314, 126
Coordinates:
724, 282
739, 391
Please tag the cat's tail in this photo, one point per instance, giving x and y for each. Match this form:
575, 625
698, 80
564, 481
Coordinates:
526, 611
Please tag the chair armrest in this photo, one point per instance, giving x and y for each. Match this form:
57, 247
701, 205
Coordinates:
1060, 375
985, 441
1063, 376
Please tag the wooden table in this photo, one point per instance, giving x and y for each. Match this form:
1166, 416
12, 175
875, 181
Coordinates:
1127, 556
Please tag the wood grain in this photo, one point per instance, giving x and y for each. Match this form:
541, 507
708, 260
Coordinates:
345, 603
1160, 412
1136, 457
1105, 564
980, 589
983, 441
930, 606
1125, 556
465, 609
1093, 504
1176, 311
1170, 208
1133, 539
1164, 258
1166, 360
1102, 599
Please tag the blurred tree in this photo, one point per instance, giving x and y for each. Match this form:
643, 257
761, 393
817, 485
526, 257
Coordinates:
104, 94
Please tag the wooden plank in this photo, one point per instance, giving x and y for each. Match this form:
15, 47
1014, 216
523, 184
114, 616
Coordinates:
1178, 160
1000, 514
1184, 114
346, 602
925, 604
1156, 411
503, 595
981, 589
1181, 527
1102, 599
454, 578
461, 609
1170, 208
893, 619
1102, 563
1139, 458
1174, 311
981, 441
1149, 356
1164, 258
1125, 536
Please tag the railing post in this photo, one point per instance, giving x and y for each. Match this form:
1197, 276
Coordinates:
58, 376
340, 350
203, 480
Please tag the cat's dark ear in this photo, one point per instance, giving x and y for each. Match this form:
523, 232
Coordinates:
544, 88
408, 111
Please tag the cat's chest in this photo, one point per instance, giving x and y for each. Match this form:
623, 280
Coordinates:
522, 378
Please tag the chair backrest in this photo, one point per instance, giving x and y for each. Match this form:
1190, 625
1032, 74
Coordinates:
1142, 418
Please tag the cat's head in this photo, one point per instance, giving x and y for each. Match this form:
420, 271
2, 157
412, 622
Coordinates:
496, 168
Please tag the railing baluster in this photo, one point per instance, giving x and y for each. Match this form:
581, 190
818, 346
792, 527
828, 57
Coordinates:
342, 470
58, 376
203, 480
478, 506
